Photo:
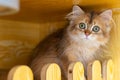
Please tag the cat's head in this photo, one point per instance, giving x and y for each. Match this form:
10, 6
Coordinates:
89, 27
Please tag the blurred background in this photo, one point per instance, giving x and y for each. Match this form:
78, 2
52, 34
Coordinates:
23, 26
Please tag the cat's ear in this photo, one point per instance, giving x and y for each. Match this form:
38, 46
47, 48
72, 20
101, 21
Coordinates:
107, 15
76, 11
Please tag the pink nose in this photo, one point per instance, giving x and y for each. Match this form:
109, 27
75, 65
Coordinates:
87, 33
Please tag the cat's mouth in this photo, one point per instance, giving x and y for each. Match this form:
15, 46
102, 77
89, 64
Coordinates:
86, 37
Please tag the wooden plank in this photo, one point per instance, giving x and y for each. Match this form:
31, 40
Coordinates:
20, 73
94, 71
108, 70
76, 71
51, 72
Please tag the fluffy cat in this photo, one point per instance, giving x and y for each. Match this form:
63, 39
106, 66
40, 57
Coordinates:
82, 40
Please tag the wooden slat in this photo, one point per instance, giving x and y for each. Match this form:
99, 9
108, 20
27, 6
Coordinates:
76, 71
20, 73
51, 72
108, 70
94, 71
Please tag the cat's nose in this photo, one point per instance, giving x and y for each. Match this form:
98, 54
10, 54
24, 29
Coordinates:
87, 32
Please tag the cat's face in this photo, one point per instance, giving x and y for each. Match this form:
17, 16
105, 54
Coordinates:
89, 27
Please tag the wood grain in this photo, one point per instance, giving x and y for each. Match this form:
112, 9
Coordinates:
94, 71
51, 72
114, 45
18, 39
76, 71
108, 70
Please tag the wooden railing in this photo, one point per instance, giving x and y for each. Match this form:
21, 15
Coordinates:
96, 71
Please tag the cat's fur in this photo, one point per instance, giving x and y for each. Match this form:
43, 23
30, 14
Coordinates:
71, 44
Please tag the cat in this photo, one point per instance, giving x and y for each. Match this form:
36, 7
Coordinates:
84, 39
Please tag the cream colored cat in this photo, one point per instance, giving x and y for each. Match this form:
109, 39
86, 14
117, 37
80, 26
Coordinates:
82, 40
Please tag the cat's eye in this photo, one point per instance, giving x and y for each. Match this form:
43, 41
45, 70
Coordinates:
96, 28
82, 26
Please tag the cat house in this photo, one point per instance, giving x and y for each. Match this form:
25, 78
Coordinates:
22, 31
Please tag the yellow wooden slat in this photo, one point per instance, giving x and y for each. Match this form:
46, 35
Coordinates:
108, 70
51, 72
94, 71
20, 73
76, 71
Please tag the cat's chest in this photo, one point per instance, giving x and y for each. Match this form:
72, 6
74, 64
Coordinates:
80, 52
84, 50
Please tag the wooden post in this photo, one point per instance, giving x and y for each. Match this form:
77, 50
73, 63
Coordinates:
76, 71
94, 71
51, 72
20, 73
108, 70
